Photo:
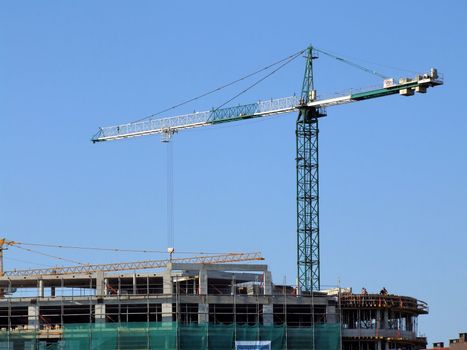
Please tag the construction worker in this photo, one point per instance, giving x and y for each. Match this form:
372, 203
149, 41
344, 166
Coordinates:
383, 291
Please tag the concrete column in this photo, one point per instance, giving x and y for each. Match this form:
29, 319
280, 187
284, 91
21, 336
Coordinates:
135, 286
2, 242
203, 306
40, 289
268, 316
385, 323
33, 316
409, 325
299, 291
168, 293
331, 315
203, 281
100, 284
267, 283
203, 312
100, 313
378, 320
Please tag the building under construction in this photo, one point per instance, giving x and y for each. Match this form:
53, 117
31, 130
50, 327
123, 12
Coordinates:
209, 302
217, 302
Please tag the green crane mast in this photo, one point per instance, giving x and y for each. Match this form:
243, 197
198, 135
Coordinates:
309, 109
308, 269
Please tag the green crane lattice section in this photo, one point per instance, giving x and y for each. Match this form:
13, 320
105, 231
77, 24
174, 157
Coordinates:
308, 264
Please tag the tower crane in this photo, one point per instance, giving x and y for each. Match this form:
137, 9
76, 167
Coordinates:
310, 109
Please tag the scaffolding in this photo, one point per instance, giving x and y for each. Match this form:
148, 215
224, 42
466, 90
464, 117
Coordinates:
381, 322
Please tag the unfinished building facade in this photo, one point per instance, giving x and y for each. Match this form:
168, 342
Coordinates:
196, 306
186, 306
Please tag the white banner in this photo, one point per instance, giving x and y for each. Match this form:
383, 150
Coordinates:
253, 345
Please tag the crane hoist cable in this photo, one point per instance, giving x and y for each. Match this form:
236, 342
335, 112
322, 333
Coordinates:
170, 196
169, 165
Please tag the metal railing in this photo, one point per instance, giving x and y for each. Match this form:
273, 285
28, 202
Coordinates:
383, 301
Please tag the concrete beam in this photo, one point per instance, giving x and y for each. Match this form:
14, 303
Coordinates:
221, 267
165, 298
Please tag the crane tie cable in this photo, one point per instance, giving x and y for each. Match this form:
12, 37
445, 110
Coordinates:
290, 59
353, 64
26, 261
48, 255
376, 63
222, 86
93, 248
114, 249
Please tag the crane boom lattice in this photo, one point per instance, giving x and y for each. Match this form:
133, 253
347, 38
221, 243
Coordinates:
135, 266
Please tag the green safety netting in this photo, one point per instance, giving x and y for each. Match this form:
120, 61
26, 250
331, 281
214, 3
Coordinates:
18, 339
168, 336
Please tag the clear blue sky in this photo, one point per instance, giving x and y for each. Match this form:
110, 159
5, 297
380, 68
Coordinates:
393, 170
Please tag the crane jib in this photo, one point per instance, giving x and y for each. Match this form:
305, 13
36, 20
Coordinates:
258, 109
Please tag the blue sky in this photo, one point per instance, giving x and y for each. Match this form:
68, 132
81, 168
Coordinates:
393, 170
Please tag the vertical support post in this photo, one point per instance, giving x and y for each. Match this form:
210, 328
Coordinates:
33, 325
331, 314
2, 243
135, 286
168, 294
40, 288
268, 309
267, 283
378, 327
33, 315
1, 258
203, 281
308, 262
100, 311
203, 306
268, 314
100, 284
